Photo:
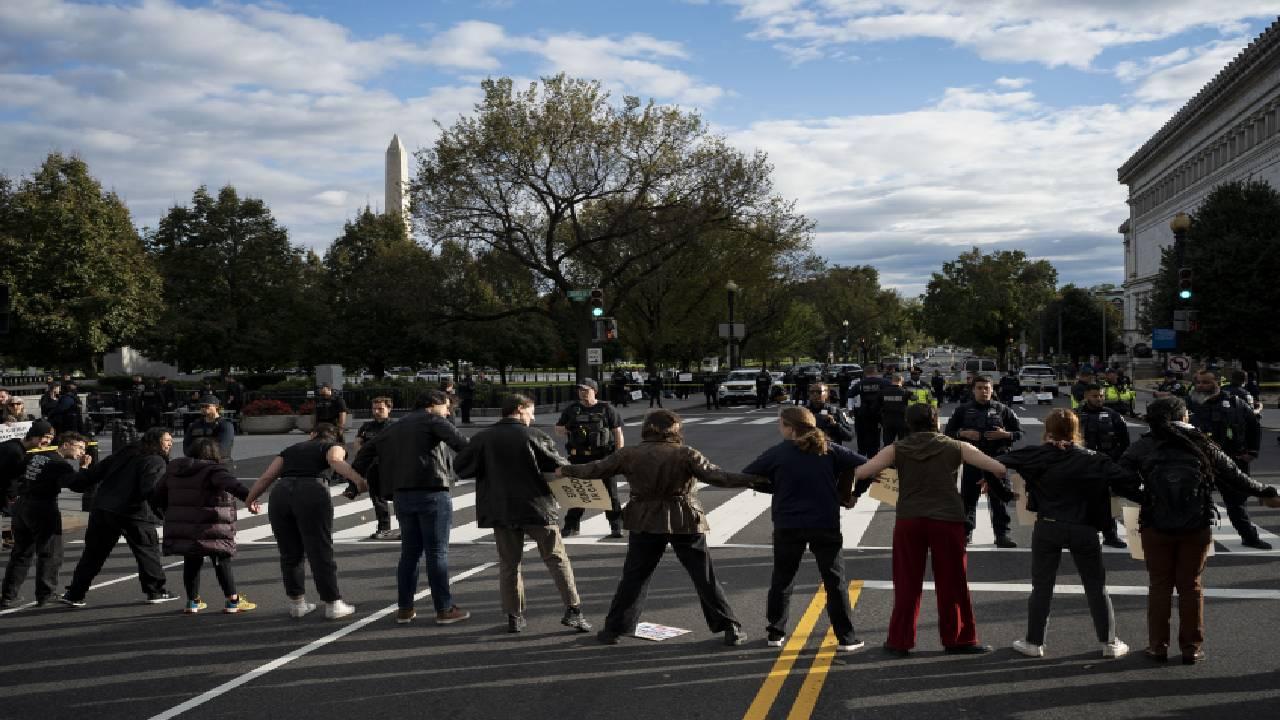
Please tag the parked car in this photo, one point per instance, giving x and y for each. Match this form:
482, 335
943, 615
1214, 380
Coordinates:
740, 386
1039, 379
854, 371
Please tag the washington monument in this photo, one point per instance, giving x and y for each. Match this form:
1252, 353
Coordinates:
397, 179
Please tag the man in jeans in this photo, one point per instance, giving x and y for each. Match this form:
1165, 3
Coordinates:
415, 462
513, 498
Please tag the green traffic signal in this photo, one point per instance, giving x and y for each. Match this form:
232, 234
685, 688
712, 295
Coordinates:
1184, 294
597, 312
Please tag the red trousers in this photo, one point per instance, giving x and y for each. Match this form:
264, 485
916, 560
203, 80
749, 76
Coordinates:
913, 540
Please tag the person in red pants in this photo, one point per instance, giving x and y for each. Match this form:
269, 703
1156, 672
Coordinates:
931, 520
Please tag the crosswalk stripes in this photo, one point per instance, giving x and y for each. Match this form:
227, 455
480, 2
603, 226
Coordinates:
734, 514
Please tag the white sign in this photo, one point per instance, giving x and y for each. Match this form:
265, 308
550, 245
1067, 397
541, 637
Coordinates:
1026, 517
1179, 363
885, 487
685, 377
580, 492
658, 633
15, 430
595, 356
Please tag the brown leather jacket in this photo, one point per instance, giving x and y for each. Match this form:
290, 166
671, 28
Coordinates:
663, 478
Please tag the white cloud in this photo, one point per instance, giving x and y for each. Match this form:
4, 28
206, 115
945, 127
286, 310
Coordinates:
1012, 83
1179, 75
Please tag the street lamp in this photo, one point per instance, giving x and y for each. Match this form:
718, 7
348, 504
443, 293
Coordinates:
845, 323
732, 288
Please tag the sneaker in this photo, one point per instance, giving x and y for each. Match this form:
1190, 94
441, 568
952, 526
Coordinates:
733, 635
1256, 544
775, 638
615, 528
404, 616
569, 530
451, 616
387, 534
8, 603
573, 618
975, 649
71, 602
338, 609
516, 623
240, 604
1115, 649
850, 646
160, 597
608, 637
300, 607
1004, 541
1030, 650
1193, 657
194, 605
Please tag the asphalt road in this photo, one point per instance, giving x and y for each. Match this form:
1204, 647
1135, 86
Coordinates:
119, 658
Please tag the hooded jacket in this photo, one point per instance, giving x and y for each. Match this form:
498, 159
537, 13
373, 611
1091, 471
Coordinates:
125, 482
507, 461
198, 498
927, 463
1069, 485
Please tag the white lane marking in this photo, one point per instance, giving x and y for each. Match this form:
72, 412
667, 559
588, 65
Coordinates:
469, 533
983, 534
855, 521
1226, 535
363, 530
360, 505
724, 420
762, 421
687, 420
283, 660
105, 583
731, 516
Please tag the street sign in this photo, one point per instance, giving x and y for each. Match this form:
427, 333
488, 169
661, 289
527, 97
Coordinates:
739, 330
1022, 349
1179, 363
595, 356
579, 294
1164, 339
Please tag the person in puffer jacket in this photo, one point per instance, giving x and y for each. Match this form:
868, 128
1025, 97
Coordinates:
199, 495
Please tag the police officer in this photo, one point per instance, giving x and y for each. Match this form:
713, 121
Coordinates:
1239, 386
921, 393
1084, 378
210, 424
939, 384
466, 397
865, 395
764, 382
1105, 432
993, 428
1117, 392
332, 409
802, 381
831, 418
592, 430
1009, 386
381, 410
710, 388
619, 391
1232, 424
1171, 387
151, 407
655, 387
894, 399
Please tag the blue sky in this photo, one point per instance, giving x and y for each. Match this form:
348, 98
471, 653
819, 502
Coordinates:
908, 129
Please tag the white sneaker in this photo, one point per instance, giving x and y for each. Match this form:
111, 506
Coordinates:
1028, 649
300, 607
338, 609
1117, 649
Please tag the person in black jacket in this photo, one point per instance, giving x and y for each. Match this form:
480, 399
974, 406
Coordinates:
415, 462
655, 387
830, 418
865, 394
993, 428
210, 424
1069, 489
512, 497
1177, 468
1231, 423
381, 409
1104, 431
894, 399
122, 507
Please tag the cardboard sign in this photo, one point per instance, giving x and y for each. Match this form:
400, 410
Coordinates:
589, 493
637, 394
16, 430
885, 487
1025, 516
658, 633
1131, 532
685, 377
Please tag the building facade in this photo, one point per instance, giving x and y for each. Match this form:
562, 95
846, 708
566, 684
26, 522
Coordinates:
1229, 131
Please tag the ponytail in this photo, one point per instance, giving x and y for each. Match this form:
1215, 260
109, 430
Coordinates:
802, 422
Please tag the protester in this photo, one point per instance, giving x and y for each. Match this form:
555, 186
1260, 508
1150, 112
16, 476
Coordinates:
331, 409
1177, 467
1068, 487
380, 407
210, 424
931, 520
512, 497
664, 510
198, 497
804, 473
301, 515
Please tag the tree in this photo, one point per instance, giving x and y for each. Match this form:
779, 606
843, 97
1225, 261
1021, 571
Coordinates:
1234, 255
80, 278
1079, 312
581, 192
237, 292
987, 300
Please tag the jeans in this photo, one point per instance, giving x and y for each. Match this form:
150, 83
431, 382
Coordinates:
1176, 560
301, 514
37, 535
1048, 539
971, 490
100, 537
644, 551
788, 549
914, 539
510, 541
191, 566
425, 519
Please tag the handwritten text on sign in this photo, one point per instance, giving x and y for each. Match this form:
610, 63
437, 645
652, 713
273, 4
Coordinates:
580, 493
885, 488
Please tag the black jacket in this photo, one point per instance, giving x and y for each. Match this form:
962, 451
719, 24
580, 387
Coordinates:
994, 415
1104, 430
413, 453
1071, 485
125, 482
507, 461
1229, 421
832, 421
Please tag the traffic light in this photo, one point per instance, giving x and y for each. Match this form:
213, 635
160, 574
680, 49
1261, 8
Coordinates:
4, 309
596, 303
610, 329
1184, 283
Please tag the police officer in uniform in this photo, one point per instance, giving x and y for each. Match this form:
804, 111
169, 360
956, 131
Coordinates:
921, 392
655, 387
894, 399
865, 394
1232, 424
466, 397
381, 409
710, 388
592, 430
1171, 387
212, 425
1239, 386
993, 428
1105, 432
830, 417
1117, 392
150, 407
939, 384
1009, 386
332, 409
619, 392
764, 382
803, 380
1084, 378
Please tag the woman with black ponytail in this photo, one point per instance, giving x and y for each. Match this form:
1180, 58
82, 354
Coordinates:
1177, 468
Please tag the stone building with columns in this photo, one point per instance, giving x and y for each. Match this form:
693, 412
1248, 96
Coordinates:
1229, 131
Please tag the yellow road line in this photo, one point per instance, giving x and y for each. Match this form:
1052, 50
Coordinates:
768, 693
807, 699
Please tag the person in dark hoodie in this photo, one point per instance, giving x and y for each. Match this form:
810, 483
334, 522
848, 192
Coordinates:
1068, 487
931, 520
198, 496
122, 507
804, 473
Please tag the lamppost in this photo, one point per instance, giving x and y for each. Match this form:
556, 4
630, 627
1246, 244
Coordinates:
1008, 345
732, 287
845, 323
1180, 224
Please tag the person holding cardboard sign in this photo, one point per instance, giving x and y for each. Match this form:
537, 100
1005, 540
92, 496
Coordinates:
931, 521
663, 509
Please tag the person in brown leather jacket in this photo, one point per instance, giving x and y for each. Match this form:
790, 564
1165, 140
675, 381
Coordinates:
664, 509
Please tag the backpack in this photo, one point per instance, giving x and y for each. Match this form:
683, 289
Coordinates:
1178, 495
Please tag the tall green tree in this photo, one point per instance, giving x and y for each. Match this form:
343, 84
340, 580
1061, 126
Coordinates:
1080, 313
1233, 251
237, 292
81, 280
988, 300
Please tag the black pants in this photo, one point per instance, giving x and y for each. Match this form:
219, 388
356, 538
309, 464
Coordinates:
466, 409
37, 535
867, 429
644, 551
970, 491
621, 396
573, 516
1048, 540
191, 566
301, 514
655, 396
893, 433
100, 537
1235, 502
788, 549
711, 400
150, 416
762, 396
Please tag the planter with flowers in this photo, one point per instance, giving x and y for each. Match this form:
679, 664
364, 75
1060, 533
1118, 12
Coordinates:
306, 417
266, 417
